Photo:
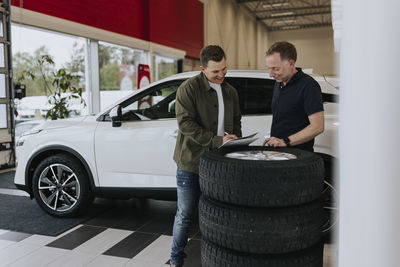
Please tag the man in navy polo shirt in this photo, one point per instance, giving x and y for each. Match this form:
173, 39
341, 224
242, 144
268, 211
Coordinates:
298, 113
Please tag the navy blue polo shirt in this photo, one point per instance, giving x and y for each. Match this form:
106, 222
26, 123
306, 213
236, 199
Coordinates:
292, 104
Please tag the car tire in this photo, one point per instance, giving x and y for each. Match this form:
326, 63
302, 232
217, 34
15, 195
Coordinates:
261, 183
261, 230
60, 186
213, 255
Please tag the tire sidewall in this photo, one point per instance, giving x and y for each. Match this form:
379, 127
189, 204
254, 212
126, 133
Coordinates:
261, 230
213, 255
261, 183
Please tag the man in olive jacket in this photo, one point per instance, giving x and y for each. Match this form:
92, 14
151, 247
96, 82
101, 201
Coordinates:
208, 115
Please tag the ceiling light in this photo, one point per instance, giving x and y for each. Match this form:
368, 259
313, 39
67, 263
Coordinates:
290, 27
275, 5
285, 21
280, 4
282, 14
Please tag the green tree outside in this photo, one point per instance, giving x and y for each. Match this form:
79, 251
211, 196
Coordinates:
27, 62
110, 59
109, 76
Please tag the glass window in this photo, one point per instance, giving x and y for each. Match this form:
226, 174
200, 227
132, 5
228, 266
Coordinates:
117, 68
2, 58
163, 67
157, 103
255, 95
2, 85
3, 116
28, 45
1, 28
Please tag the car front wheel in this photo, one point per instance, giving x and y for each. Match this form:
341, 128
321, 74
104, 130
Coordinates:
60, 186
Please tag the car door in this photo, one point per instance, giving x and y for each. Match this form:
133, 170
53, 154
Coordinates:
255, 98
139, 152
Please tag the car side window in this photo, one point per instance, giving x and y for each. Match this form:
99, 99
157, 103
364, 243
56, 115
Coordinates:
158, 103
255, 94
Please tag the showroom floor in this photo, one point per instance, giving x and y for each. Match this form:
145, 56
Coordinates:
126, 233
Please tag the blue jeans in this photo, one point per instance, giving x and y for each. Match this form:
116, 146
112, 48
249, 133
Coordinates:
188, 190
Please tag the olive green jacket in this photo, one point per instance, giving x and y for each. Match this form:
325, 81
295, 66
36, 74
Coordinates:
196, 110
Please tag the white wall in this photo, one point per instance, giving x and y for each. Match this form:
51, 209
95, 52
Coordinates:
232, 27
262, 46
314, 46
245, 40
190, 64
369, 135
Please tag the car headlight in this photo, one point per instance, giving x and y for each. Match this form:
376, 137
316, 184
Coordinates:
22, 139
31, 132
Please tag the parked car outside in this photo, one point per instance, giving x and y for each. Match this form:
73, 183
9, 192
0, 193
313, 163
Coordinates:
65, 163
24, 115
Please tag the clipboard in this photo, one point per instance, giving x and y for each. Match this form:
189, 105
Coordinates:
242, 141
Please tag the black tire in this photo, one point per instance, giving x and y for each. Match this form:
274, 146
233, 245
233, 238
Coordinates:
259, 183
215, 256
261, 230
69, 193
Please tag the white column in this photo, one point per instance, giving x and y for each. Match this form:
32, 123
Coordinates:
150, 54
369, 234
92, 76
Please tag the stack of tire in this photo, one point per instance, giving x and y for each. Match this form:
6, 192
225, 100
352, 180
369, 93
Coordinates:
255, 213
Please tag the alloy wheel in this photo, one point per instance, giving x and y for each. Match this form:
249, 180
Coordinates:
59, 187
330, 197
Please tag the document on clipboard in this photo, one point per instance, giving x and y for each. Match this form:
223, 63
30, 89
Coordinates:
242, 141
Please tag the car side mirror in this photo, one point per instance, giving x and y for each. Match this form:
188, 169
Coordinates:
116, 116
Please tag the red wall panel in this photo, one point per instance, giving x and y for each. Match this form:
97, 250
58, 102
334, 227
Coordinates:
177, 23
174, 23
128, 17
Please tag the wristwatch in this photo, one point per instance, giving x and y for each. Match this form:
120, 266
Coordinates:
287, 141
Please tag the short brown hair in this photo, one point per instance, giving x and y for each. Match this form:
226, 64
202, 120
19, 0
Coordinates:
286, 50
211, 52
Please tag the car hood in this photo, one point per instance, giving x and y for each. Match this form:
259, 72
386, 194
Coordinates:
61, 123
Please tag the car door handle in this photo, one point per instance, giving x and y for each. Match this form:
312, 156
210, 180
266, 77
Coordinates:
174, 134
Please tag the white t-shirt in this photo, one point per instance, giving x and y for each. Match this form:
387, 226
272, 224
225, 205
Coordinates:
221, 110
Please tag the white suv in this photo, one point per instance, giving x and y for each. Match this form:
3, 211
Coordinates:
65, 163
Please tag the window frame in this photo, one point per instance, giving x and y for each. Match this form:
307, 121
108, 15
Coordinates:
145, 93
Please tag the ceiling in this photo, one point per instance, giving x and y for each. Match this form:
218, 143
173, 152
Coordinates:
280, 15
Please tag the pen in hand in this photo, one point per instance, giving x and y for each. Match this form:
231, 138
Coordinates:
233, 136
226, 138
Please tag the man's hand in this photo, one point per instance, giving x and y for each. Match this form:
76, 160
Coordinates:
315, 127
274, 142
228, 137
